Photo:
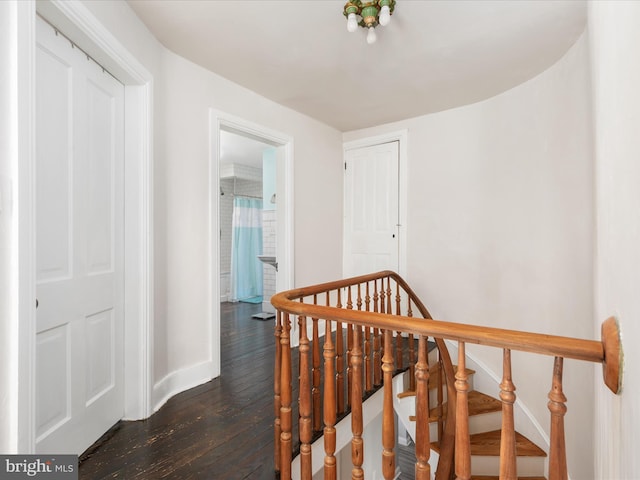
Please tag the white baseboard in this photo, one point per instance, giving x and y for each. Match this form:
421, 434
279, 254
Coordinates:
179, 381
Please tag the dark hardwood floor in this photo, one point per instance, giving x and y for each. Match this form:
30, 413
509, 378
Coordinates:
222, 429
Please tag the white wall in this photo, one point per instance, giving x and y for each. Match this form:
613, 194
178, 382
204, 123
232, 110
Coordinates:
500, 225
614, 45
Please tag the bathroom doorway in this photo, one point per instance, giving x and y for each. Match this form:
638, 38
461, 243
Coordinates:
247, 218
252, 170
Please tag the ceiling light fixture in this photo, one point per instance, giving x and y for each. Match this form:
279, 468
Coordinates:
371, 13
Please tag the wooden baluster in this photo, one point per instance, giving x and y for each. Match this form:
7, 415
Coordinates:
377, 359
339, 362
389, 307
349, 348
276, 391
357, 444
381, 297
316, 374
399, 350
557, 407
359, 303
388, 424
399, 337
305, 426
440, 394
463, 445
508, 467
368, 361
412, 352
368, 357
423, 443
383, 305
286, 449
412, 363
329, 406
367, 299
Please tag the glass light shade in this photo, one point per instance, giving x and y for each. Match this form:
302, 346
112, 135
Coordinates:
352, 23
371, 36
385, 15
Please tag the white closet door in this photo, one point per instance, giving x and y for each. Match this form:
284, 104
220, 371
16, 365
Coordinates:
79, 247
371, 210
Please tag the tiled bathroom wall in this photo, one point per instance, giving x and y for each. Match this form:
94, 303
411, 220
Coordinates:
269, 248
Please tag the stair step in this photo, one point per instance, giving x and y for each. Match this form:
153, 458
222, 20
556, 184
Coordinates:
488, 444
479, 403
435, 378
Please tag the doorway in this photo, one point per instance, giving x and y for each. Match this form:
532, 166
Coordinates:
247, 219
375, 203
266, 176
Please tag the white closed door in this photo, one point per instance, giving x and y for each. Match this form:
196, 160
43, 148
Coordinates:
79, 247
371, 215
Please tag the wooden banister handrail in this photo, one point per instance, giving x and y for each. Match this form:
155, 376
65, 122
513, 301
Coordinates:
551, 345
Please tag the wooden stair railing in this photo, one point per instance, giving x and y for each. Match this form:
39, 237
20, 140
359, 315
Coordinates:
384, 305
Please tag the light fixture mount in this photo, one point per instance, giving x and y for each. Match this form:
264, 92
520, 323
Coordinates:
368, 14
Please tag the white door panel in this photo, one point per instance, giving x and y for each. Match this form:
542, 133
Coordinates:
79, 245
54, 176
371, 209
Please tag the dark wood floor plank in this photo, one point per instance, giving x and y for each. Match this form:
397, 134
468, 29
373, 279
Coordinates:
222, 429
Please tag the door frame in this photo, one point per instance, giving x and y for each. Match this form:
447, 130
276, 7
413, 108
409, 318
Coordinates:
401, 136
78, 23
284, 208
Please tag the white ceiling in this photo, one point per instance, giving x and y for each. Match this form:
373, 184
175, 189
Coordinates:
434, 55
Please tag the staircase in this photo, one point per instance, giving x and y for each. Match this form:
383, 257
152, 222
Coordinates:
485, 420
341, 343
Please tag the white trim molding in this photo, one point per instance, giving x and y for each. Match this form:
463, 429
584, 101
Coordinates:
180, 381
26, 227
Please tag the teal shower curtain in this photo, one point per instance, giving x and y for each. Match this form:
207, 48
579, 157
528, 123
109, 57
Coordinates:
246, 245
